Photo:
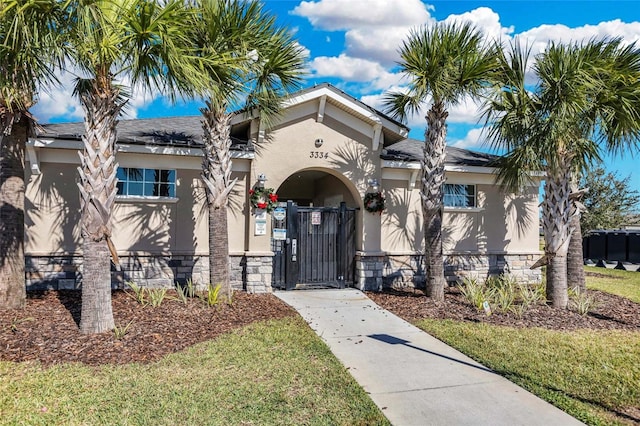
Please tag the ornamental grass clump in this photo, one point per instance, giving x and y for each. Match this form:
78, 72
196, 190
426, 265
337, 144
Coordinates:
156, 296
139, 293
502, 292
476, 292
211, 296
120, 332
530, 294
581, 302
185, 291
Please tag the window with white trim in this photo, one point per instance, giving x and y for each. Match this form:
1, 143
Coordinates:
460, 196
138, 182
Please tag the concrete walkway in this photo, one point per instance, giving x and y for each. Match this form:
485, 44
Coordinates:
414, 378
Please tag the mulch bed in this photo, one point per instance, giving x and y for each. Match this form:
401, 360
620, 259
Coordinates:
46, 330
611, 312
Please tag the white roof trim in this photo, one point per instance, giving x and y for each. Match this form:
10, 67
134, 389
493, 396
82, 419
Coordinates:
137, 149
321, 108
34, 160
395, 164
327, 92
414, 165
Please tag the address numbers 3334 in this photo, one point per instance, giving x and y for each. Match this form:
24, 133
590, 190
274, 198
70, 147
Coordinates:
319, 154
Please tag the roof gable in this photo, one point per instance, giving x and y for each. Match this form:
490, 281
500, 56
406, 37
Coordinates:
380, 127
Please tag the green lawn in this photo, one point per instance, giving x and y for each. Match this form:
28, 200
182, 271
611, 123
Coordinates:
622, 283
278, 372
592, 375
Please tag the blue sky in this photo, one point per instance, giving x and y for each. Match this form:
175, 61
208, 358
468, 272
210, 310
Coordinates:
353, 45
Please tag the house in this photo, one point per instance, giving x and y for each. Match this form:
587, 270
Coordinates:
325, 155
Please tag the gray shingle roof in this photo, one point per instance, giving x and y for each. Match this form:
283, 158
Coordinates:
170, 130
175, 131
411, 150
187, 131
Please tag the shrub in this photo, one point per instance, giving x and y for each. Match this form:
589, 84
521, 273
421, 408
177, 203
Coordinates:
156, 296
475, 292
211, 295
120, 332
139, 292
581, 301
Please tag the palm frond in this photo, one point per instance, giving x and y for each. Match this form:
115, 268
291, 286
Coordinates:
30, 49
444, 63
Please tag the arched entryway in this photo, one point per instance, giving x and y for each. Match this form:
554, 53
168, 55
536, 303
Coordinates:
314, 242
317, 188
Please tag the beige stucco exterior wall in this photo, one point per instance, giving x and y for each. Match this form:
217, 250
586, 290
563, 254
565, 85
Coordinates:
500, 223
402, 231
512, 225
52, 210
347, 140
167, 227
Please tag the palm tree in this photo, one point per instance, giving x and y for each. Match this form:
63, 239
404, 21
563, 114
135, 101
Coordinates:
28, 54
586, 101
268, 63
444, 64
139, 40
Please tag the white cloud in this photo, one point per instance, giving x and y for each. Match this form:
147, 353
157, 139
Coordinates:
340, 15
352, 69
379, 44
540, 37
474, 139
374, 29
467, 111
485, 19
59, 101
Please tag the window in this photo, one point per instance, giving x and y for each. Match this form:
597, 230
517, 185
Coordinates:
146, 182
456, 195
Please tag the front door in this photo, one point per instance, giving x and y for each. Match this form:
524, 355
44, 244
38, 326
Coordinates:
314, 247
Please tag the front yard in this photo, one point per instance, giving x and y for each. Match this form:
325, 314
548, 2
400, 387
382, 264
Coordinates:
589, 366
256, 362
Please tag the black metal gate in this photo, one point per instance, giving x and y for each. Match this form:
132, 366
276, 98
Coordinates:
314, 247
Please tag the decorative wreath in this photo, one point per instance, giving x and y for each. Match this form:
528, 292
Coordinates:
374, 202
263, 198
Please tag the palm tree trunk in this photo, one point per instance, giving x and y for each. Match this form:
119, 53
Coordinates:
216, 174
557, 282
575, 258
96, 315
431, 193
219, 249
556, 218
434, 263
98, 188
14, 133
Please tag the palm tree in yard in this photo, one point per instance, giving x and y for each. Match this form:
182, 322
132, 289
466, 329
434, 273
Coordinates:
586, 101
28, 54
112, 41
445, 64
268, 63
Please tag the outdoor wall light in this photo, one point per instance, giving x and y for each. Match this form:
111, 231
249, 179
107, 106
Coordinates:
262, 178
374, 185
319, 142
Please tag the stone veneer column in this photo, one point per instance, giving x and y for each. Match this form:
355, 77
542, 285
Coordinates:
258, 271
369, 271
